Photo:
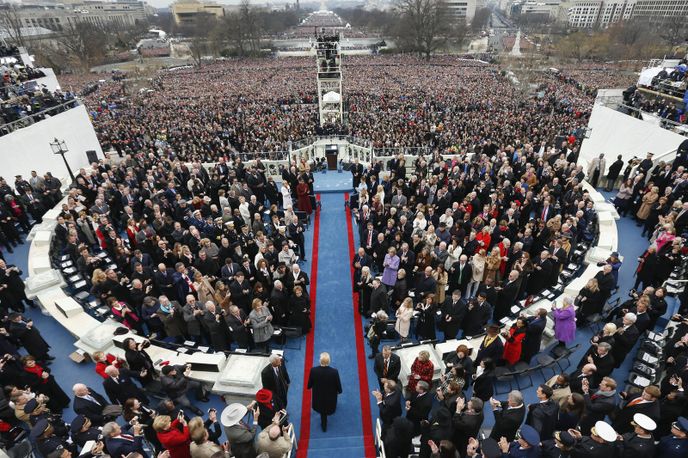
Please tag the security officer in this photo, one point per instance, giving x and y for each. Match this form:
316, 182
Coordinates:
83, 431
639, 443
46, 439
600, 443
525, 445
559, 447
676, 444
38, 411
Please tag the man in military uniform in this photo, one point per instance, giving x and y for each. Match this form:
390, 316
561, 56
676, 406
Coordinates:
600, 443
37, 411
525, 445
558, 447
639, 443
46, 439
83, 431
675, 445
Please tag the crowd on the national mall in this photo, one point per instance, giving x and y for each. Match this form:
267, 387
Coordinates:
446, 247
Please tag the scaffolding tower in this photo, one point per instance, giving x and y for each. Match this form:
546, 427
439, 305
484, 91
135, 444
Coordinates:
329, 61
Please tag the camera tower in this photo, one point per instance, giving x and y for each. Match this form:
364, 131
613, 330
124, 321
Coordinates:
329, 60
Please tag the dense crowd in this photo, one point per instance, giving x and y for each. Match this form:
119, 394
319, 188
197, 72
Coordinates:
213, 256
31, 105
250, 105
8, 50
448, 248
667, 98
16, 74
208, 256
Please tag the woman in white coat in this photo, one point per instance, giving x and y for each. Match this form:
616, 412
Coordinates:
478, 265
404, 314
286, 196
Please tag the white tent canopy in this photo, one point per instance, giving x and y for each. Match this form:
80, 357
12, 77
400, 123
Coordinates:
332, 97
645, 78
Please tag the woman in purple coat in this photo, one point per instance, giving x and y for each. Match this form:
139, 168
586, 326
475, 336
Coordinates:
391, 265
564, 321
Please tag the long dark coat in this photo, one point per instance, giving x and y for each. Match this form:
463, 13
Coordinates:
325, 385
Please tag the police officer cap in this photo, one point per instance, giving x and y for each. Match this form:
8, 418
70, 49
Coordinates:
30, 405
530, 435
645, 422
39, 428
490, 448
565, 438
77, 423
605, 431
682, 424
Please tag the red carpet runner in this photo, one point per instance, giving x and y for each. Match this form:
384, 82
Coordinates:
305, 434
366, 422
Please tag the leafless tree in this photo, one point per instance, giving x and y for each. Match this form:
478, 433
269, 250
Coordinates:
422, 27
11, 22
84, 43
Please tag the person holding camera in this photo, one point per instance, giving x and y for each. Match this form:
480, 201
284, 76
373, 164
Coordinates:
213, 321
175, 382
202, 445
275, 439
120, 444
138, 359
174, 435
193, 315
239, 433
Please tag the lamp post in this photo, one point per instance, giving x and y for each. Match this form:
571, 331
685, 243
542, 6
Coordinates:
60, 147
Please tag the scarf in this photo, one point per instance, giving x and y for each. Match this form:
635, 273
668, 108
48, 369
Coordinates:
166, 309
604, 394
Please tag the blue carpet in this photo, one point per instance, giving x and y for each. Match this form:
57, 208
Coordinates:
332, 181
334, 333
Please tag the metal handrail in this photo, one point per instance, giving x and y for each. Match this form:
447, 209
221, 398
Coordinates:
28, 120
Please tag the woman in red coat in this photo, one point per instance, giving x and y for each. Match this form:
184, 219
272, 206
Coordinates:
303, 194
514, 340
173, 435
421, 369
44, 383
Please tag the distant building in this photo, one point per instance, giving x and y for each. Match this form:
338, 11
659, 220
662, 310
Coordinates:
462, 10
602, 13
60, 16
186, 12
549, 8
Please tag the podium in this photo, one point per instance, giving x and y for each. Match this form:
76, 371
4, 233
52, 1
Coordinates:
331, 153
